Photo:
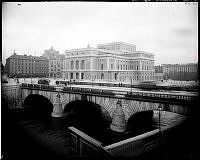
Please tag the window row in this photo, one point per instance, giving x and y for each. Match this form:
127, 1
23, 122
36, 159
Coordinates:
76, 64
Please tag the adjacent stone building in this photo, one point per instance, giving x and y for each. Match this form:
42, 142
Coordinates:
116, 62
55, 62
182, 72
27, 66
159, 76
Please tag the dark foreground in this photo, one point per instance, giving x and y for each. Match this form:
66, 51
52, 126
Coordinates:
49, 139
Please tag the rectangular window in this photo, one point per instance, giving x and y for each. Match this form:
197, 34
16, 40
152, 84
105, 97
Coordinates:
111, 66
71, 75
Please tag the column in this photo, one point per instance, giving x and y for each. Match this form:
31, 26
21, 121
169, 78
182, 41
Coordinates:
140, 65
79, 75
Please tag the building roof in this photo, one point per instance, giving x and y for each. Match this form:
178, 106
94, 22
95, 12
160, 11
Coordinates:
118, 53
179, 64
120, 42
26, 57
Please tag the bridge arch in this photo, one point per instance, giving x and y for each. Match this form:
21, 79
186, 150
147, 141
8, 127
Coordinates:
37, 106
87, 114
142, 120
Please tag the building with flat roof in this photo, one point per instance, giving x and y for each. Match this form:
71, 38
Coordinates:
27, 66
182, 72
116, 62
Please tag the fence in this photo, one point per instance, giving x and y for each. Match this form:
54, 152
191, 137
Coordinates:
83, 145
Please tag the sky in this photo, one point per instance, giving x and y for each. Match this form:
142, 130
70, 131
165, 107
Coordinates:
168, 30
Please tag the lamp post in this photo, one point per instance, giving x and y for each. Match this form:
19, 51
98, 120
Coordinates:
17, 77
93, 78
31, 78
159, 117
70, 83
33, 70
131, 83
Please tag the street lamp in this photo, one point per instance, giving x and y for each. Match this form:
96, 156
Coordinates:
17, 77
33, 70
159, 116
93, 79
31, 78
131, 83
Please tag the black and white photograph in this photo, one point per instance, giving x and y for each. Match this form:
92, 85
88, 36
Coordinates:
100, 80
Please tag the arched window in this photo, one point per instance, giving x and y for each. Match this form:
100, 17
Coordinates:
77, 64
72, 64
82, 64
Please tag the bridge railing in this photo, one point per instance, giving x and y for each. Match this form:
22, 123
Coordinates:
82, 145
150, 86
140, 94
109, 92
137, 145
38, 86
162, 96
88, 90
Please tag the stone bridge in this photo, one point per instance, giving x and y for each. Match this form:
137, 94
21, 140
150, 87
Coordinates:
61, 96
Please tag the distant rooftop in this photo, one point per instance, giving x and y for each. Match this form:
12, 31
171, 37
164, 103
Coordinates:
25, 56
178, 64
120, 42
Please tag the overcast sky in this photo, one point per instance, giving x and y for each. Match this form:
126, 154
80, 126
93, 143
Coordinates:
169, 30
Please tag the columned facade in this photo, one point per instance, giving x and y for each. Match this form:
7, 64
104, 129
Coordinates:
120, 62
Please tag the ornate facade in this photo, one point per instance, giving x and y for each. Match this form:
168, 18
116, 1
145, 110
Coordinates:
111, 62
